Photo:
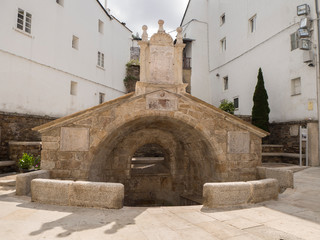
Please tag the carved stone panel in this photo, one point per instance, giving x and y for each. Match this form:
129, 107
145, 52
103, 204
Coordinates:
74, 139
238, 142
161, 64
162, 101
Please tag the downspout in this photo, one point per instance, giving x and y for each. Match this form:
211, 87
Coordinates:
318, 73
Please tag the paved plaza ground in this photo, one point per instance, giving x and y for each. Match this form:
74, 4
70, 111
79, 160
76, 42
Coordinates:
296, 215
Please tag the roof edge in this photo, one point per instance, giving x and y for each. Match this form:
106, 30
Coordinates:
185, 12
104, 9
229, 117
122, 23
111, 16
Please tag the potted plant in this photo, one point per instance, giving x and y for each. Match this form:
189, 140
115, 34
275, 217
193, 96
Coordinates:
28, 163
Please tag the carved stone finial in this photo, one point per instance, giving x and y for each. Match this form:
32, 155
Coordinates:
161, 30
145, 34
179, 35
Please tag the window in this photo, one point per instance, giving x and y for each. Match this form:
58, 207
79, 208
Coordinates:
222, 19
73, 88
60, 2
24, 21
100, 59
236, 103
100, 26
253, 23
223, 44
225, 83
295, 86
101, 97
294, 41
75, 42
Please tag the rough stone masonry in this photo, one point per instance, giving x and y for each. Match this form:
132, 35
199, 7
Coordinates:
200, 143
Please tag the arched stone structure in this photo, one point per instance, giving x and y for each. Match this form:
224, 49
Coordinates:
201, 143
190, 156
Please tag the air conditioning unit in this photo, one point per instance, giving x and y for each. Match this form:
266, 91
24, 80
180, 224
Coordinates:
308, 58
303, 9
303, 33
304, 44
306, 23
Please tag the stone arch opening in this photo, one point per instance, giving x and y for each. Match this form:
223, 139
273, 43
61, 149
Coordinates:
189, 160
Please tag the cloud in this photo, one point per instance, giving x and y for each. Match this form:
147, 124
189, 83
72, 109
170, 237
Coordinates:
147, 12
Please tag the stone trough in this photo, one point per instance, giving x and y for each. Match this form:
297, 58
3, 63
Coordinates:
111, 195
79, 193
230, 194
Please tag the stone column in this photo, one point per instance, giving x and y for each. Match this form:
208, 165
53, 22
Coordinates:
313, 145
178, 50
143, 54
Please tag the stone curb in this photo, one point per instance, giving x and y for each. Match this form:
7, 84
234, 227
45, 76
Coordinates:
284, 176
81, 193
23, 181
230, 194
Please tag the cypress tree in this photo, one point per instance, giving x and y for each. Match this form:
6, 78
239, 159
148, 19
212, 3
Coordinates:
260, 109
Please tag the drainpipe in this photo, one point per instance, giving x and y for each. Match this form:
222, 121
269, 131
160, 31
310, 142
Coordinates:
318, 73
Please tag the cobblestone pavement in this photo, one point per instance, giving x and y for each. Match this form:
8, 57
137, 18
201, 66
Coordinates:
296, 215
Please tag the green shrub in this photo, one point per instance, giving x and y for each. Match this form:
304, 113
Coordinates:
29, 161
227, 106
260, 109
133, 62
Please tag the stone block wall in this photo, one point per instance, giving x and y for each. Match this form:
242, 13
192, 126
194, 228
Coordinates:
133, 71
286, 134
134, 53
17, 149
246, 118
18, 127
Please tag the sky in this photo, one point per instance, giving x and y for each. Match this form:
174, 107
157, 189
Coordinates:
136, 13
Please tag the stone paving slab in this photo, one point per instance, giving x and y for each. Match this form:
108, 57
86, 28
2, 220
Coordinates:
289, 218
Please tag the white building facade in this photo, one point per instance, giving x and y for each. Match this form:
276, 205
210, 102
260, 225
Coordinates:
58, 57
233, 39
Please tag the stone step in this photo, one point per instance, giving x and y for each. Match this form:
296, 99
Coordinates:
282, 154
272, 148
8, 179
272, 145
284, 166
281, 157
7, 163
